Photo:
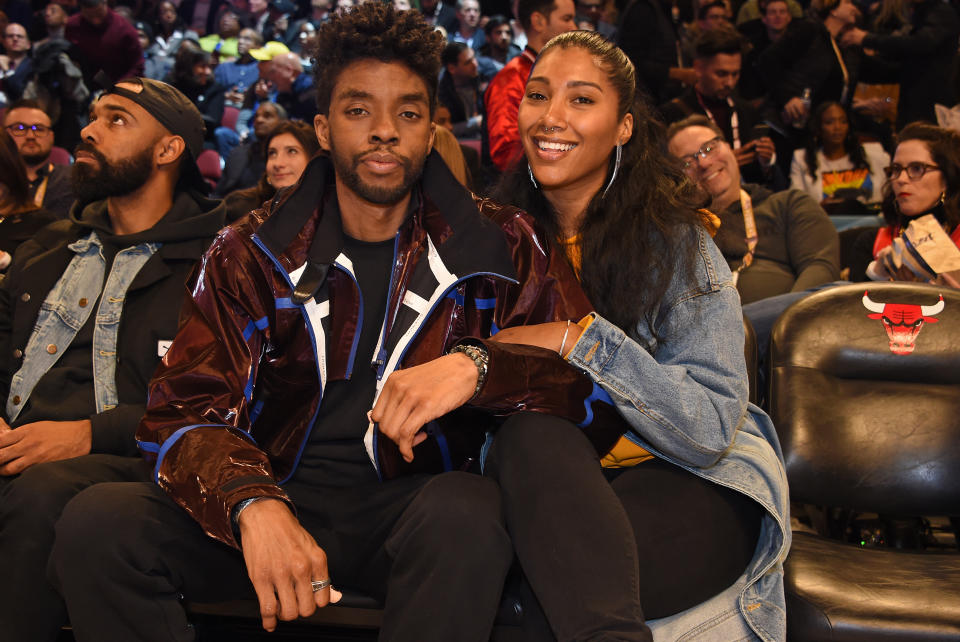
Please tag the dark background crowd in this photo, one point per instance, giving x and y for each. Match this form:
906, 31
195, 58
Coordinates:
762, 70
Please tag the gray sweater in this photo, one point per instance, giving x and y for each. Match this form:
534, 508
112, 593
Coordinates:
798, 247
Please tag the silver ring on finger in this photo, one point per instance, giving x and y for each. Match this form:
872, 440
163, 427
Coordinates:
319, 585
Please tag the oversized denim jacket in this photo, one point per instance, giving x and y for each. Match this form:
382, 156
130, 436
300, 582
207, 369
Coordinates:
686, 401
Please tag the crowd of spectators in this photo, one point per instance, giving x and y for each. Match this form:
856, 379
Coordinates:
807, 94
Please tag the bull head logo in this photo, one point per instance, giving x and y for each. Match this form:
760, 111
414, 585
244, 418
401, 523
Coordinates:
902, 321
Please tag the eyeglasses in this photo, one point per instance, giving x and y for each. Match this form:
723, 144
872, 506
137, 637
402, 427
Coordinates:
915, 171
20, 129
706, 150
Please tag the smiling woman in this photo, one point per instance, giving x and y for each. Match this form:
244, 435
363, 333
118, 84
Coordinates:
288, 147
689, 505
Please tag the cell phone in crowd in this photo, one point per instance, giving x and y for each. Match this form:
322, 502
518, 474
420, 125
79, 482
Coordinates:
759, 131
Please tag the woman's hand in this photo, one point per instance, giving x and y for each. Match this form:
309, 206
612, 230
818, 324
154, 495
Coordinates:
543, 335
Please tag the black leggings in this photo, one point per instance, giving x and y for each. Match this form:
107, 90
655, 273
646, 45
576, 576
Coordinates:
596, 545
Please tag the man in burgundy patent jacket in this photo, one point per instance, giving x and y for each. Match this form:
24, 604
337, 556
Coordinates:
352, 293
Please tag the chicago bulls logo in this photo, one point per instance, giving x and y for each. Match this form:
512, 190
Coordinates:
902, 321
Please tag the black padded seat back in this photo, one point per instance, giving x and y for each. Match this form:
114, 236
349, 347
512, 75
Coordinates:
865, 422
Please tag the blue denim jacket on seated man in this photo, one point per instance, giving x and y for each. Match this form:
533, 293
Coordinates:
65, 311
685, 398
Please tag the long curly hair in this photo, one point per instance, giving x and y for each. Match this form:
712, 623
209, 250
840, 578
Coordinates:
632, 237
815, 141
378, 31
944, 146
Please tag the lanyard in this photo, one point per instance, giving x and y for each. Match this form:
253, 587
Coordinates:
734, 120
843, 69
42, 189
750, 227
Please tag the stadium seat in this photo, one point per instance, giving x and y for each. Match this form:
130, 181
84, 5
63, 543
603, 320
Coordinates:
60, 156
210, 166
865, 395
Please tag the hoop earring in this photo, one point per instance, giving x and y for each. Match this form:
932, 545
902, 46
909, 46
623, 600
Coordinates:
616, 167
532, 179
943, 196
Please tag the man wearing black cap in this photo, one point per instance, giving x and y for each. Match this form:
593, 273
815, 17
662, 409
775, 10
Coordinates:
87, 310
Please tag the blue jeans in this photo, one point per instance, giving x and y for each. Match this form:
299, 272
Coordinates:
226, 139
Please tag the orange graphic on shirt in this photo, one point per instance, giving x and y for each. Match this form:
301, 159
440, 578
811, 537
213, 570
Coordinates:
848, 179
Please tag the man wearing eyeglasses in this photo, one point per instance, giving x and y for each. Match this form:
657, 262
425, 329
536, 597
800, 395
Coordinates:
774, 242
32, 131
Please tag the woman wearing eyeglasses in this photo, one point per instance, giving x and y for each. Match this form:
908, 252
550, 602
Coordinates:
924, 178
689, 504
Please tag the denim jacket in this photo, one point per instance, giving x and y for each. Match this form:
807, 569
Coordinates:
65, 311
685, 399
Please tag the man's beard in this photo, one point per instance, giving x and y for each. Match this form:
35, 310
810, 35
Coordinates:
346, 169
94, 183
32, 159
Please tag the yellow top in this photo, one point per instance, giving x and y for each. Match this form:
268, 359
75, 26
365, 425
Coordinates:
624, 453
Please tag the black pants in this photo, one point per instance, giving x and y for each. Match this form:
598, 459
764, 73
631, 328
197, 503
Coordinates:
30, 504
433, 546
603, 549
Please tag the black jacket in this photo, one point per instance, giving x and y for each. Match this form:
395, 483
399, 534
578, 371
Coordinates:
648, 35
927, 55
449, 97
804, 58
243, 168
150, 312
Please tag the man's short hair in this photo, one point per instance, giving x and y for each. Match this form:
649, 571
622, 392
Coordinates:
460, 4
823, 8
718, 41
254, 35
763, 4
88, 4
495, 21
27, 103
696, 120
377, 31
526, 8
451, 53
707, 6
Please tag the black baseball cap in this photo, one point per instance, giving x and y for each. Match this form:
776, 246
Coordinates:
176, 113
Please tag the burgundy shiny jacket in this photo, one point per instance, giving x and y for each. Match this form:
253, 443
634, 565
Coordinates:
274, 313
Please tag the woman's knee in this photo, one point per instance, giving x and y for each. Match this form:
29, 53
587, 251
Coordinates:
461, 510
535, 442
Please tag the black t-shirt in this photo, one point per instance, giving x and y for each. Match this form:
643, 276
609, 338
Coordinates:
334, 454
